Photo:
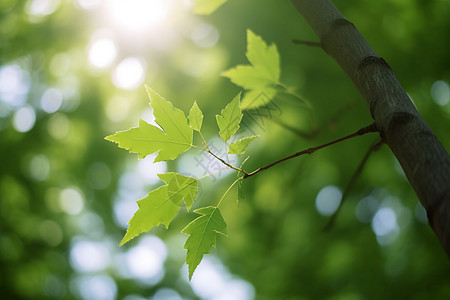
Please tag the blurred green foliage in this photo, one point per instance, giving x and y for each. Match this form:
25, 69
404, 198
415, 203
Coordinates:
73, 71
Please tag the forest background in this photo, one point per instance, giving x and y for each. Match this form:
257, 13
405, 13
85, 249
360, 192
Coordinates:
72, 72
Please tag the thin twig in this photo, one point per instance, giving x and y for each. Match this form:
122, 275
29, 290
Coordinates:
362, 131
352, 182
307, 43
228, 164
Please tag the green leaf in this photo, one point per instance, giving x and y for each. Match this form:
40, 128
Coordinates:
180, 187
229, 119
257, 98
247, 77
195, 117
259, 77
264, 58
161, 205
241, 145
207, 7
203, 232
174, 139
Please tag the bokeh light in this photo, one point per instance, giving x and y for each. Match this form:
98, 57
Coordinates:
24, 119
440, 92
89, 256
129, 74
328, 200
71, 201
102, 53
137, 15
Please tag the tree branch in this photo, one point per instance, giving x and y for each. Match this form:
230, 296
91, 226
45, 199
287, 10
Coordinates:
362, 131
424, 160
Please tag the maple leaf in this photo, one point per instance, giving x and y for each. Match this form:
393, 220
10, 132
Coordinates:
161, 205
259, 77
229, 118
174, 139
203, 233
241, 145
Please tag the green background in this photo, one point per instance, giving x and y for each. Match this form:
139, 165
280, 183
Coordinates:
65, 191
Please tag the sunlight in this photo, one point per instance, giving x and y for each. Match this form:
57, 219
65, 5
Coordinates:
138, 15
102, 53
129, 74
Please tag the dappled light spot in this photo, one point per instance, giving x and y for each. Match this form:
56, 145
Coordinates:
145, 261
60, 64
129, 74
149, 170
385, 226
328, 200
98, 287
212, 280
124, 210
366, 209
384, 221
39, 167
99, 175
102, 53
58, 126
51, 100
37, 9
89, 256
71, 201
117, 109
51, 233
166, 294
91, 225
138, 15
135, 297
88, 4
54, 287
440, 92
205, 35
24, 119
14, 85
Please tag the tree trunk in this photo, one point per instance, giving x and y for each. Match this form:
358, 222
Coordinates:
423, 158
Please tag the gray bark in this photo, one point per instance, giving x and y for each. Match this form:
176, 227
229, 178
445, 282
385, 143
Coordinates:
423, 158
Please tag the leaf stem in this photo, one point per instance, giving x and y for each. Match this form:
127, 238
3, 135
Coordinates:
229, 188
204, 141
362, 131
212, 173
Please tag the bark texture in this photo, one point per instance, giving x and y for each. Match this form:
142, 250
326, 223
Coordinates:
424, 160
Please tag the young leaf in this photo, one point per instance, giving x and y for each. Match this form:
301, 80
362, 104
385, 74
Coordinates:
207, 7
195, 117
230, 118
146, 139
203, 232
161, 205
259, 77
264, 58
180, 187
241, 145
